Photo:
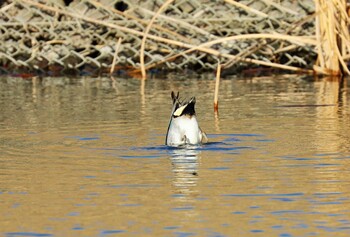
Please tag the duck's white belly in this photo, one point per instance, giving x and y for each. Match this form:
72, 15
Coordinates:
184, 130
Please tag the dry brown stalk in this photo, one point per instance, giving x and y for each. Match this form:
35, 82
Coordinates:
108, 24
280, 7
246, 8
180, 22
205, 47
143, 22
259, 45
217, 83
332, 36
117, 45
142, 50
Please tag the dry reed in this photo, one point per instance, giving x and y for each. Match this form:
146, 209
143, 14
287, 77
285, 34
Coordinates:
332, 34
217, 84
116, 50
331, 40
143, 42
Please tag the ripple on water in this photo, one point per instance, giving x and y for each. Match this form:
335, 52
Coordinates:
263, 194
80, 147
111, 232
27, 234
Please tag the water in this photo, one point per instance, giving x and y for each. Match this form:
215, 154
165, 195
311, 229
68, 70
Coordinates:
86, 157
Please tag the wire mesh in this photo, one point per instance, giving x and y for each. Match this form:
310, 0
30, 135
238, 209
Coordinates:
54, 35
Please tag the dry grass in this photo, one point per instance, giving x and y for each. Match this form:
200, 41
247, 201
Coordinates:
143, 42
332, 35
331, 40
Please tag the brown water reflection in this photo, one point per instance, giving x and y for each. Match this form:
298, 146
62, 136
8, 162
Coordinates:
85, 157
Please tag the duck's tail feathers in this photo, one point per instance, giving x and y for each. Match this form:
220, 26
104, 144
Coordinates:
204, 137
173, 97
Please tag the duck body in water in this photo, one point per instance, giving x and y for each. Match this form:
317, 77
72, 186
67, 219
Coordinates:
183, 127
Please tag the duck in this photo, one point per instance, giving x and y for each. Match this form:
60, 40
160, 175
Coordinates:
183, 126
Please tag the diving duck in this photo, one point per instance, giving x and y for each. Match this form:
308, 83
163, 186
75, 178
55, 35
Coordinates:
183, 127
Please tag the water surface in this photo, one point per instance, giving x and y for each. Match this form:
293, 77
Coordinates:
86, 157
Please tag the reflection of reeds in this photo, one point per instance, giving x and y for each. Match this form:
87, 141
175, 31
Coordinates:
332, 34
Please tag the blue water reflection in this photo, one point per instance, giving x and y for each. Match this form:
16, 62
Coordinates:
27, 234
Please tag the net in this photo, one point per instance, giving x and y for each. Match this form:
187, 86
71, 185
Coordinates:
88, 35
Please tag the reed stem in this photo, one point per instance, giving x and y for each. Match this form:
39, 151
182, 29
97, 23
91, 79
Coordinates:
217, 84
117, 45
144, 38
332, 37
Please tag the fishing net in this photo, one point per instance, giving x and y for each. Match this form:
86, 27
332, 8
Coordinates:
89, 35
